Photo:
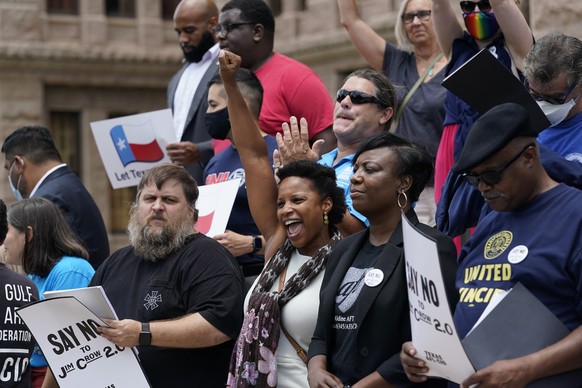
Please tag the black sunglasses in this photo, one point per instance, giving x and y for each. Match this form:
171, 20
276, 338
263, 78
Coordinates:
225, 28
469, 6
493, 177
552, 100
356, 97
423, 15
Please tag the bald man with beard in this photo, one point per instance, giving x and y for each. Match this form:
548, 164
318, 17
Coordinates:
188, 90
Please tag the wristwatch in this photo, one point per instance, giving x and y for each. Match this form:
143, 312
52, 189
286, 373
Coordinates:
257, 243
145, 335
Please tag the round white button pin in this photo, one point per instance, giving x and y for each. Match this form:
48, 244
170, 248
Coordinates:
517, 254
374, 277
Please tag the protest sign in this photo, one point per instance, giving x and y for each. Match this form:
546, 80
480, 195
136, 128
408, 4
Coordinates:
433, 332
214, 206
94, 298
66, 332
131, 145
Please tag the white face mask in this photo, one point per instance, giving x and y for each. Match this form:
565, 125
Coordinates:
15, 190
556, 113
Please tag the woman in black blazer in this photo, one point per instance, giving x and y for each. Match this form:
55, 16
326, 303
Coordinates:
363, 315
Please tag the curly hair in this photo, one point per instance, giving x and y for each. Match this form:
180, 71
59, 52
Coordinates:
323, 180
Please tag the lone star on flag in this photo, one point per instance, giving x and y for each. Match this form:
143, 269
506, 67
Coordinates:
121, 144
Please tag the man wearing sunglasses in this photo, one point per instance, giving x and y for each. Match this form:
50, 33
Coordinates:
553, 70
247, 28
532, 236
364, 107
187, 90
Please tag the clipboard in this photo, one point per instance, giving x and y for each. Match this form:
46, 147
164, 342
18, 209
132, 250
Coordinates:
508, 332
483, 82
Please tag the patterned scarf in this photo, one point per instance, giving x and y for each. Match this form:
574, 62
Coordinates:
254, 358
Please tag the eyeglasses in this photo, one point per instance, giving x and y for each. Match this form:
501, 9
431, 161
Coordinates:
423, 16
552, 100
226, 28
469, 6
493, 177
357, 97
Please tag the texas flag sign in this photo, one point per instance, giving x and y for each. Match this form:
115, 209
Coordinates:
136, 143
131, 145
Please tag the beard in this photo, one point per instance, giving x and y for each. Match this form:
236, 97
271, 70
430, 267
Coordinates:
157, 244
197, 52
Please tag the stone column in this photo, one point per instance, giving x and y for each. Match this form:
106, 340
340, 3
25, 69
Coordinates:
93, 21
150, 27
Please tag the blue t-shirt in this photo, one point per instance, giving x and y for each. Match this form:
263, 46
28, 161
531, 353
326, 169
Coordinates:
343, 173
226, 166
69, 272
538, 245
565, 138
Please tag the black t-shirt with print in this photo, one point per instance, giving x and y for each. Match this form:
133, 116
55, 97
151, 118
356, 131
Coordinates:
16, 342
348, 316
201, 277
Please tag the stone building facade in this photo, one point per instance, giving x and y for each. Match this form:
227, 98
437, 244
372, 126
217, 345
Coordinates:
64, 64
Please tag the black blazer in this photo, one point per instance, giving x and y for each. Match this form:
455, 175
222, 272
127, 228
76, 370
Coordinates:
195, 129
63, 188
386, 323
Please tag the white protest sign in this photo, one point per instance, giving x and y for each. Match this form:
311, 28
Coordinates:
94, 298
131, 145
214, 206
66, 332
433, 332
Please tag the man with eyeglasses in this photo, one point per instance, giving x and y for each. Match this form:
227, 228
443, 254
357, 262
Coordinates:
247, 28
187, 90
364, 107
553, 69
532, 236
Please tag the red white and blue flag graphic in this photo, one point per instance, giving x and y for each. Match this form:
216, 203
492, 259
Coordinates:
136, 143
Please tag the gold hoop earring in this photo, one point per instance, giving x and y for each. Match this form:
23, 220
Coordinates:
325, 219
400, 205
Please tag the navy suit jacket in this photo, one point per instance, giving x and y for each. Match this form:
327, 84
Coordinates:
195, 129
386, 323
65, 189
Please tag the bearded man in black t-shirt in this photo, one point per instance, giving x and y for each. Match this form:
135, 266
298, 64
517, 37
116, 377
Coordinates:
178, 293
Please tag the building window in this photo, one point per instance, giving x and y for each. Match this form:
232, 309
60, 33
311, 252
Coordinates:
66, 128
62, 7
120, 8
168, 8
